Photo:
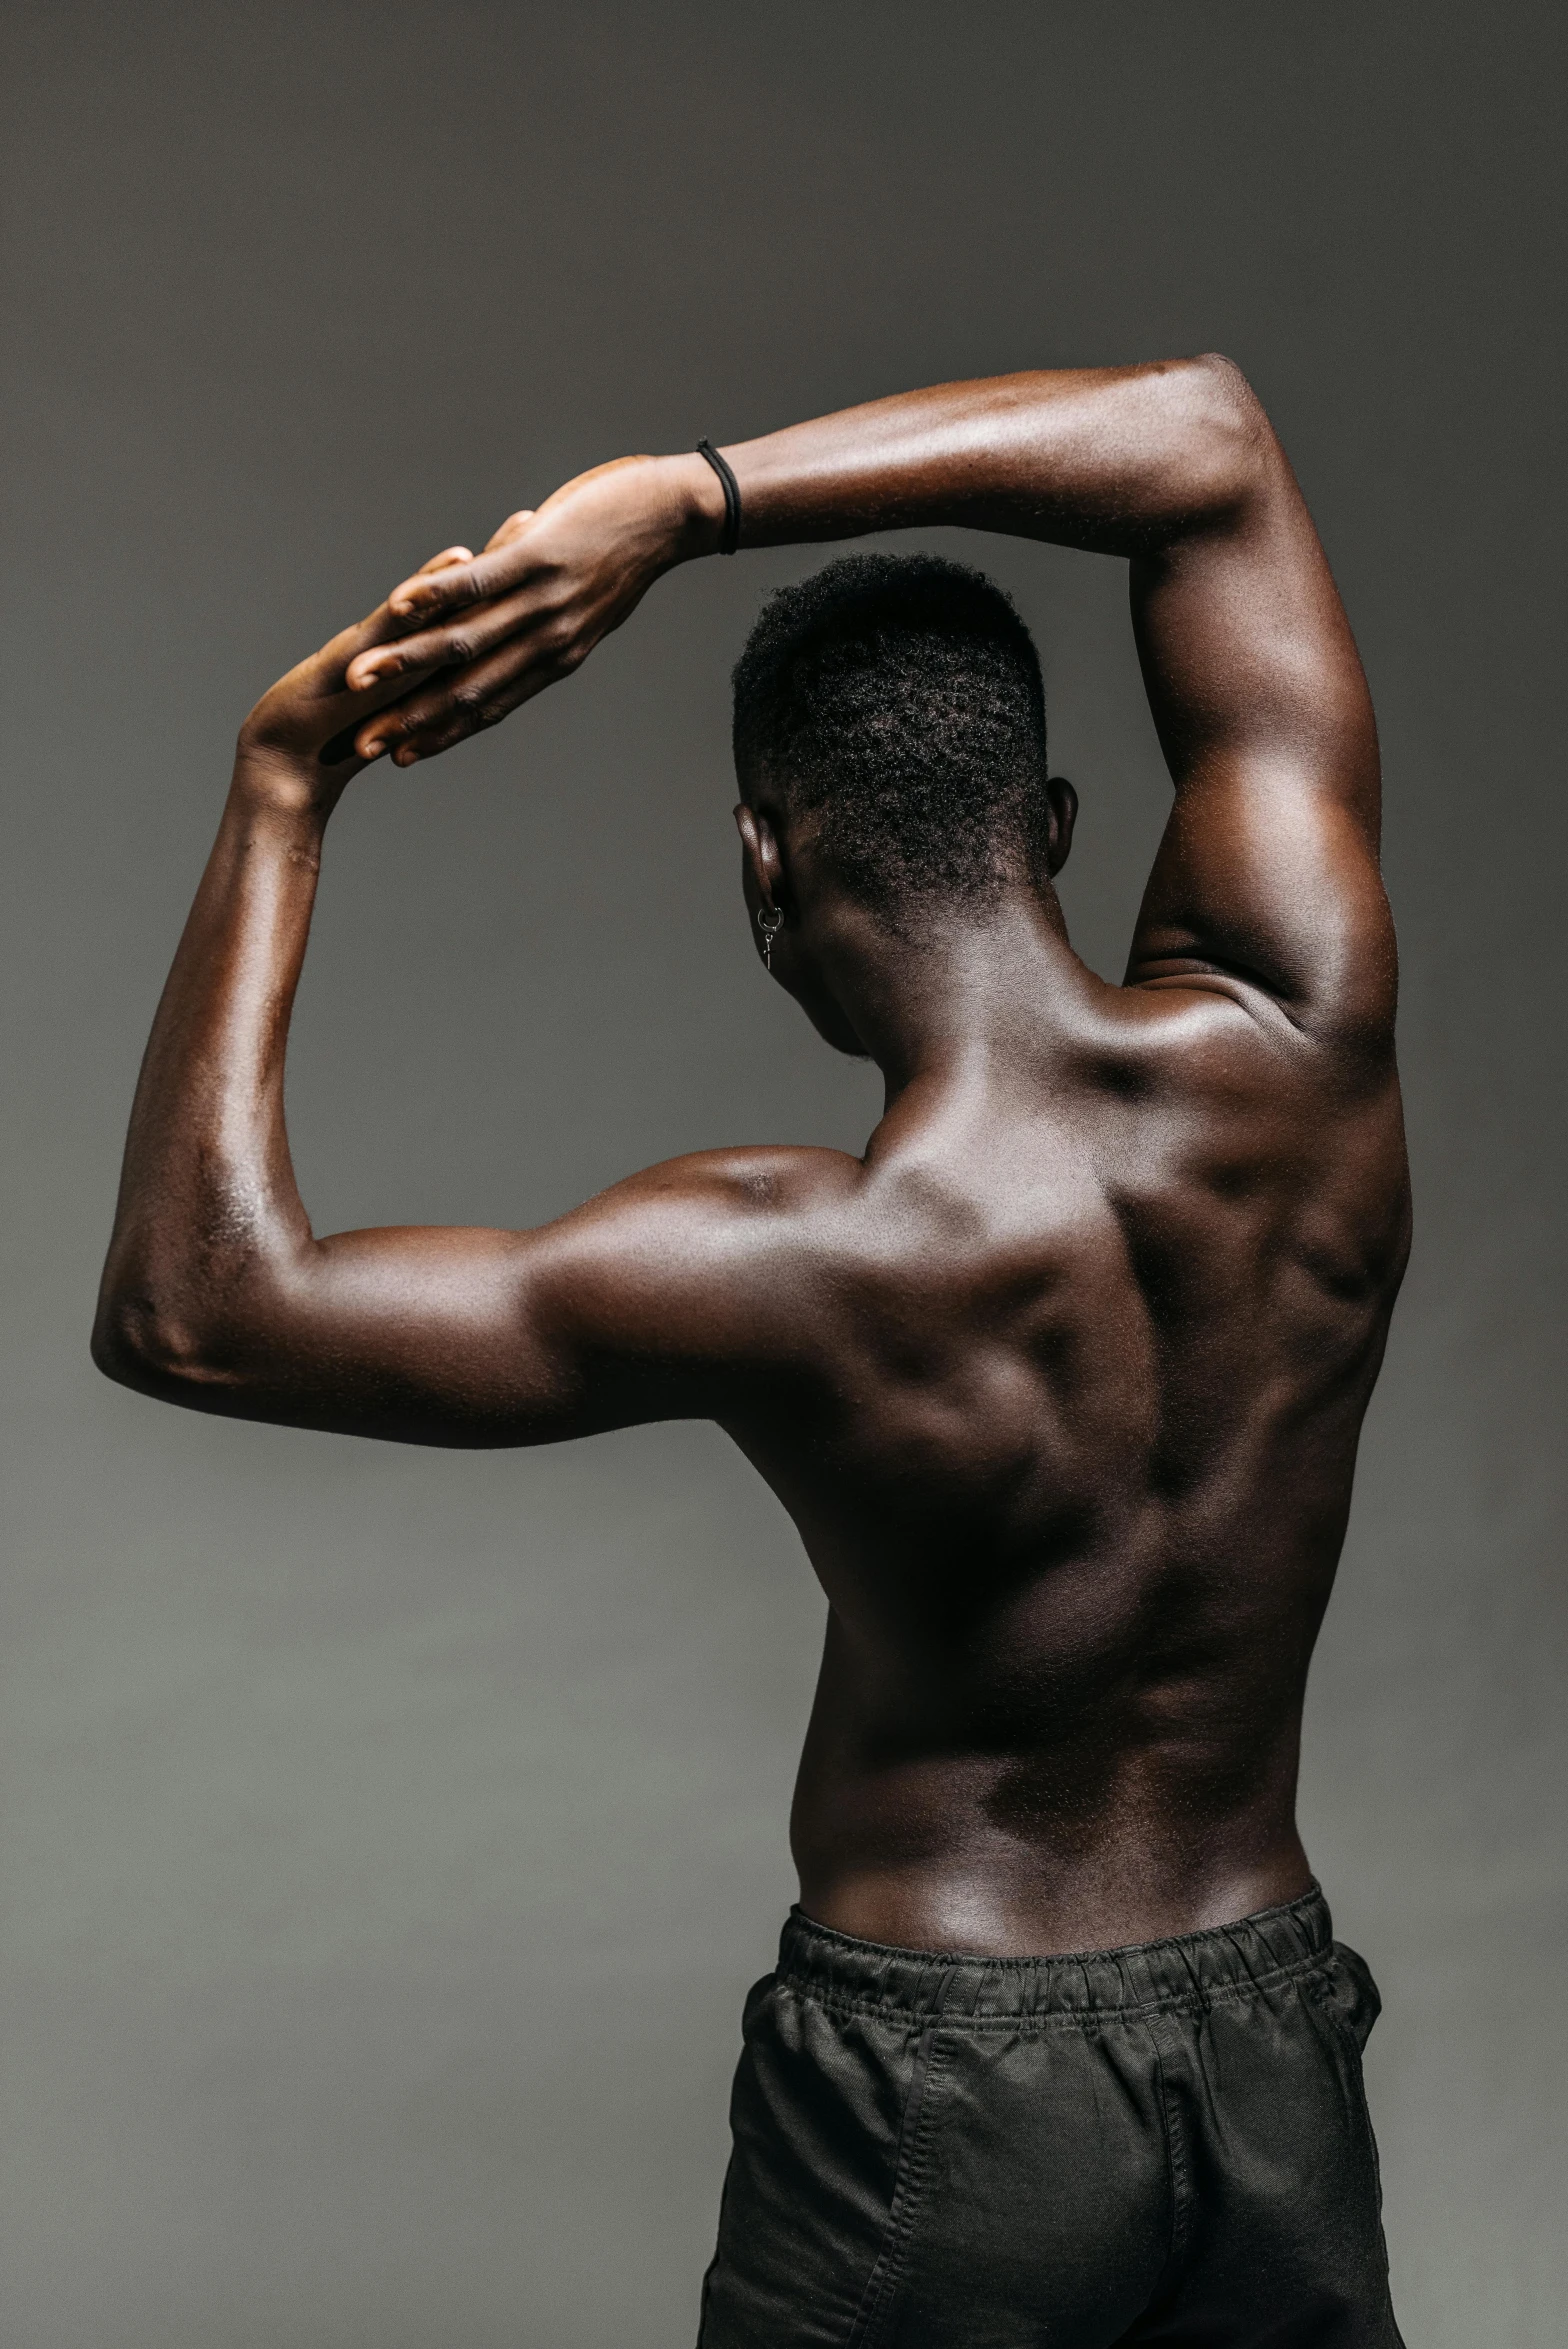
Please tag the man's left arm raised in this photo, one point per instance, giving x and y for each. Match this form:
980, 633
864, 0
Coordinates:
217, 1294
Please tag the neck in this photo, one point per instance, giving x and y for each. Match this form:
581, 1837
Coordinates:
955, 990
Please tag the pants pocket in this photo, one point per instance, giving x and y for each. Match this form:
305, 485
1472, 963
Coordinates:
880, 2299
827, 2122
1351, 1995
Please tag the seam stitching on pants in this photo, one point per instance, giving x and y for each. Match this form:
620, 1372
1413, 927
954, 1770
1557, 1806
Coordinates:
1342, 2032
1175, 2154
901, 2237
908, 2178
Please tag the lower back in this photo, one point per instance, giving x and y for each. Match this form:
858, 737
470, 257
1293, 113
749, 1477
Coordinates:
999, 1803
937, 1856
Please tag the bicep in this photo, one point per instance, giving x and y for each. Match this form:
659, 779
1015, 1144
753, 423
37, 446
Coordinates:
1268, 870
415, 1335
629, 1309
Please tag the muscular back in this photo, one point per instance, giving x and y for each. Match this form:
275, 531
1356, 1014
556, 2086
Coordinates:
1062, 1380
1078, 1370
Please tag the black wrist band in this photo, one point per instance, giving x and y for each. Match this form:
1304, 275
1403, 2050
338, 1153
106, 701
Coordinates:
731, 539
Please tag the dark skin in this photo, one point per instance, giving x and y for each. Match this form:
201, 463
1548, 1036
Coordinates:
1062, 1380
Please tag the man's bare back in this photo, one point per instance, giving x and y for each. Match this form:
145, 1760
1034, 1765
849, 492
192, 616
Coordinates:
1062, 1381
1089, 1336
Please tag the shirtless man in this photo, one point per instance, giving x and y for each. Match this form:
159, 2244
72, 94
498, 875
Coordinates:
1061, 1381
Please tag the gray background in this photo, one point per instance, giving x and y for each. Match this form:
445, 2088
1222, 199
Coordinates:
389, 1837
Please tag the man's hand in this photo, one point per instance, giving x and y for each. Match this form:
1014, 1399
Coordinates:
528, 610
299, 743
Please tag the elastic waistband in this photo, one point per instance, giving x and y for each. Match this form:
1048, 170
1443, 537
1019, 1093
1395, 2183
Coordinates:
1188, 1970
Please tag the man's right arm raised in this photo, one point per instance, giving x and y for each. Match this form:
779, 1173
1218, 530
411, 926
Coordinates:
1267, 883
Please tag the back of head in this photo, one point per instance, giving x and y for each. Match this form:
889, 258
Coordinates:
896, 702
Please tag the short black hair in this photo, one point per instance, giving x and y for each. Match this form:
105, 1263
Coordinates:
899, 698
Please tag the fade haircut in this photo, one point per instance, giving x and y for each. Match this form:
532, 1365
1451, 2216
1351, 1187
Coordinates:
898, 699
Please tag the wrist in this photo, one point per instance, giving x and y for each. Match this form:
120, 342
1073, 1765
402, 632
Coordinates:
694, 498
295, 794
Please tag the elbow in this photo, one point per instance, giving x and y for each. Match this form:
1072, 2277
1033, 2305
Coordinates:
1224, 378
140, 1345
1223, 397
1231, 445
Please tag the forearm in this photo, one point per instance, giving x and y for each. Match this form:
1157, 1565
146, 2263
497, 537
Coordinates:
1135, 461
209, 1216
1118, 460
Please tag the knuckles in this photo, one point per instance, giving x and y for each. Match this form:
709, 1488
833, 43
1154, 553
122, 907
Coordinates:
556, 644
558, 637
474, 708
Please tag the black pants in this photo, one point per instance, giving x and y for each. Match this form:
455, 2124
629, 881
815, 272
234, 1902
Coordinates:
1168, 2143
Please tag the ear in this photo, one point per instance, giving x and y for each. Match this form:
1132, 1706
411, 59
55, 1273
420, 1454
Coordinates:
1062, 813
762, 865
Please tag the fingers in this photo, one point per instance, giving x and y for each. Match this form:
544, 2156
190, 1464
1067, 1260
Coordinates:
454, 645
318, 710
395, 653
500, 665
428, 594
450, 709
451, 635
337, 658
357, 720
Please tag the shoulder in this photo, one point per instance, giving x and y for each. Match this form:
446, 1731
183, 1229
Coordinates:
1215, 1092
701, 1283
732, 1186
1214, 1056
696, 1243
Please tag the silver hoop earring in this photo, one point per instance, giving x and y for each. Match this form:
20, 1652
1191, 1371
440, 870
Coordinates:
770, 920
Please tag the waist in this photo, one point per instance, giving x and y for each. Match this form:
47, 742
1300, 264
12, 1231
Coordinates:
1086, 1844
1183, 1969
